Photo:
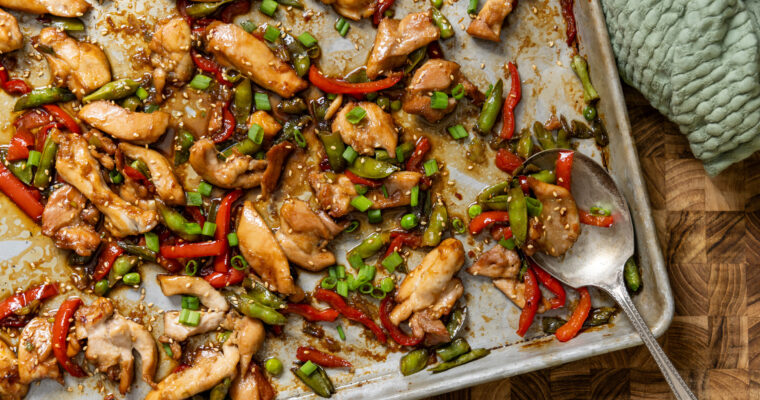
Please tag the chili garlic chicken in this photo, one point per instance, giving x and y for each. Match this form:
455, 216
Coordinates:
234, 165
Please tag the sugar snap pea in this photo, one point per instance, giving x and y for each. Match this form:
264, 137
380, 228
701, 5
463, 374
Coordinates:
463, 359
414, 361
518, 215
491, 108
42, 96
113, 90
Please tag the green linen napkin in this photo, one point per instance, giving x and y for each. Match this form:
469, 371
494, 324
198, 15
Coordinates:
698, 63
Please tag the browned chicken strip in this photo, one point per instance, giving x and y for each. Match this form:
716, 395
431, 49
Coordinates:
560, 224
435, 75
70, 220
210, 320
353, 9
499, 262
171, 53
304, 235
334, 192
10, 34
117, 121
262, 252
276, 157
10, 386
237, 171
399, 186
35, 352
397, 39
252, 384
236, 48
81, 66
487, 25
162, 176
428, 321
60, 8
375, 130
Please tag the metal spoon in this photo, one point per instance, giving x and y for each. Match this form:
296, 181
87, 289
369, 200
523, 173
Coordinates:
598, 257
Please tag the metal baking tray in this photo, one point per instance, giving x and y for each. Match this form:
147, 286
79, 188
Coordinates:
534, 36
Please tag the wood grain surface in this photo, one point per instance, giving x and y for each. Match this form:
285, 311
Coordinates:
709, 231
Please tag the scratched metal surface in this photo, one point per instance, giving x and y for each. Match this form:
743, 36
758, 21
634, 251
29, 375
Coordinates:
534, 37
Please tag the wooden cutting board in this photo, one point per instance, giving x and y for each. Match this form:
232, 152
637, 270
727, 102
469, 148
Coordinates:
709, 231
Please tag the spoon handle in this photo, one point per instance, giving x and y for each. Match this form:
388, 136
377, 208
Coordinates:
677, 385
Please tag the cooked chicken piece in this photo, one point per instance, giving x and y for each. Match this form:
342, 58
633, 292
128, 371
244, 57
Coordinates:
276, 157
10, 386
77, 167
177, 284
428, 323
425, 284
515, 291
237, 171
69, 219
252, 384
102, 148
353, 9
375, 130
59, 8
262, 252
304, 235
132, 126
192, 110
210, 320
397, 39
487, 25
35, 352
171, 53
435, 75
499, 262
559, 218
235, 48
250, 336
81, 66
10, 35
267, 122
162, 176
110, 340
209, 368
334, 192
399, 187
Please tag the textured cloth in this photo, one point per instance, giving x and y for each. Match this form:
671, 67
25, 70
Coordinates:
698, 63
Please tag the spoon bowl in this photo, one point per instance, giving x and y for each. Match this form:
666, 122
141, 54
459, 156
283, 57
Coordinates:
598, 256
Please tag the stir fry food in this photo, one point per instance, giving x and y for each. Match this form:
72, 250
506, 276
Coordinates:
236, 166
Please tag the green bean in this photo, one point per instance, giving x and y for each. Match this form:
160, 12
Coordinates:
525, 144
436, 225
551, 324
580, 66
45, 169
493, 191
458, 347
563, 141
463, 359
544, 136
264, 296
368, 167
414, 361
599, 316
142, 252
113, 90
518, 215
491, 108
182, 143
334, 147
40, 97
442, 23
219, 392
371, 245
176, 222
456, 321
295, 105
414, 58
255, 310
318, 381
242, 102
545, 176
632, 276
67, 24
198, 10
131, 103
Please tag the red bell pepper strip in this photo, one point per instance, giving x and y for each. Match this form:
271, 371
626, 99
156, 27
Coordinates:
25, 197
524, 183
564, 168
21, 300
223, 274
499, 232
206, 65
532, 299
234, 9
60, 331
508, 113
63, 117
396, 333
193, 250
575, 323
414, 163
42, 134
552, 284
32, 119
353, 314
310, 313
16, 321
382, 7
308, 353
480, 222
507, 161
372, 183
339, 86
14, 87
228, 126
169, 264
106, 260
20, 144
434, 50
401, 239
569, 16
603, 221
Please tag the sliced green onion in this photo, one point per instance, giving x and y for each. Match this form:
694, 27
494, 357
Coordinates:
361, 203
332, 271
458, 92
430, 167
115, 176
308, 368
141, 93
352, 282
439, 101
307, 39
385, 191
355, 260
596, 210
387, 285
268, 7
352, 226
378, 293
392, 261
190, 303
167, 350
341, 333
349, 154
458, 225
34, 158
191, 268
298, 137
366, 273
208, 228
189, 317
239, 263
200, 82
341, 271
248, 26
205, 188
366, 288
256, 133
342, 288
474, 210
458, 132
415, 198
193, 199
271, 34
329, 282
472, 7
232, 239
356, 115
375, 216
342, 26
151, 241
261, 100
